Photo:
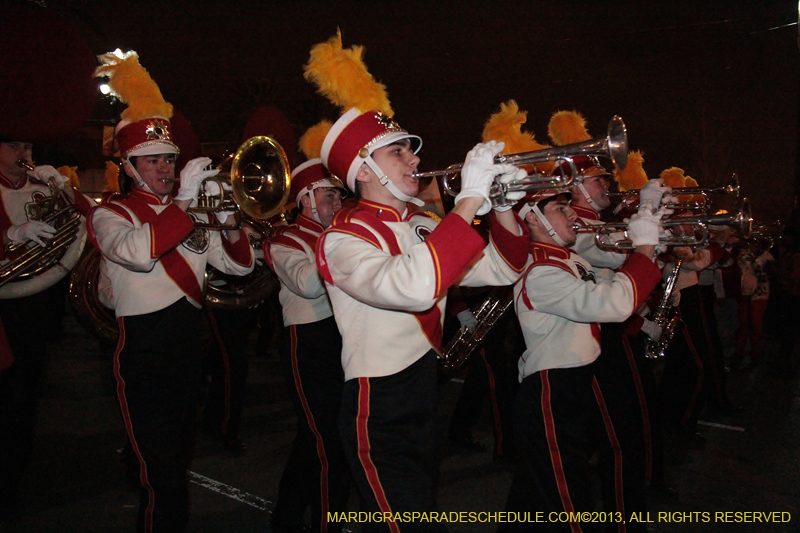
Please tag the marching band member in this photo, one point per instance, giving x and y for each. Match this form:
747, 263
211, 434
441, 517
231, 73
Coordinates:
20, 380
155, 260
560, 416
387, 271
316, 473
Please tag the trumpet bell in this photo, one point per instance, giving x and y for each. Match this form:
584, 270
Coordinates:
260, 178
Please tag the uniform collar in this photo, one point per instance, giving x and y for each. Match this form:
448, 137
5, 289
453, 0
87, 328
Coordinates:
149, 198
309, 224
588, 214
382, 212
543, 250
7, 182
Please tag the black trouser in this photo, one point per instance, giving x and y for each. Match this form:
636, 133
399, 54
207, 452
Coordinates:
559, 422
618, 376
228, 366
388, 427
316, 472
158, 365
26, 324
682, 393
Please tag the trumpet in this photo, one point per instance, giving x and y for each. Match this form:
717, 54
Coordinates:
606, 235
614, 146
732, 188
257, 185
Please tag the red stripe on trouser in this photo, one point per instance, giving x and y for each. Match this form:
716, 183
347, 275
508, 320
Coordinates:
555, 454
226, 411
323, 459
619, 494
498, 429
700, 375
637, 381
126, 419
362, 436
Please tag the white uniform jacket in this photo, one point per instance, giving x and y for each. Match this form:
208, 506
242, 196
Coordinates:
387, 277
152, 254
16, 200
560, 304
291, 253
586, 247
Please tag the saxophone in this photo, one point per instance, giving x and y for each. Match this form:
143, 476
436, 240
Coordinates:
665, 316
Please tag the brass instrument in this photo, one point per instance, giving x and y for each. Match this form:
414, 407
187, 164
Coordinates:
666, 317
38, 267
731, 189
259, 181
613, 146
606, 234
461, 346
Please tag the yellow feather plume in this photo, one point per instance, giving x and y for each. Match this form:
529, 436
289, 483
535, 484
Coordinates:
311, 141
506, 126
567, 127
342, 77
634, 176
132, 84
71, 174
674, 177
112, 177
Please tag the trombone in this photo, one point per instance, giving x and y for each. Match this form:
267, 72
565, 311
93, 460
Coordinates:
731, 188
613, 146
607, 234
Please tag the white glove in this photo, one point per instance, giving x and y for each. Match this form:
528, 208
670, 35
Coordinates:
467, 320
478, 172
651, 329
45, 173
644, 228
192, 175
33, 230
506, 174
651, 193
212, 189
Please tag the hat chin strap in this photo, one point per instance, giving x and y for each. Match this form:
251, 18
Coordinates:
588, 197
389, 185
547, 226
314, 212
137, 178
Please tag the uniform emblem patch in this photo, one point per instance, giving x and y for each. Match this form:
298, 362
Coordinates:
197, 241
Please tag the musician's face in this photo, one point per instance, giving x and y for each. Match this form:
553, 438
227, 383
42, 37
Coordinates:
157, 171
560, 216
597, 187
328, 200
10, 153
399, 162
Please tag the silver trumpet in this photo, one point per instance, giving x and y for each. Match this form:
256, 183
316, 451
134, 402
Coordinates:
614, 146
690, 231
732, 188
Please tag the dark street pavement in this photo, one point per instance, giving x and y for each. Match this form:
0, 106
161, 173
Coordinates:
750, 462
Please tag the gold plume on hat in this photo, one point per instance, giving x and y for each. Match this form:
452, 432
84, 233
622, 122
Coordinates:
71, 174
674, 177
112, 177
633, 176
132, 84
342, 77
311, 141
506, 126
567, 127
